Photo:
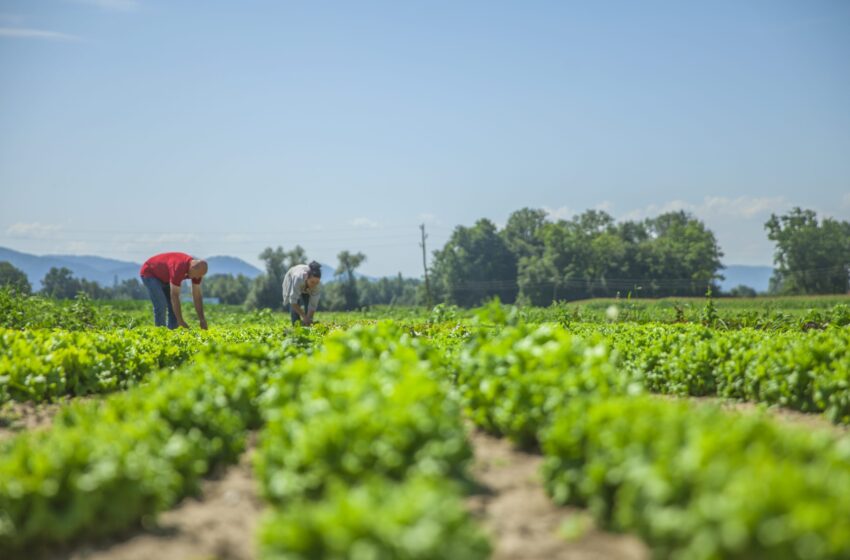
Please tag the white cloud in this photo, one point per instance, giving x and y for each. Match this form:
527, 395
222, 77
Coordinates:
25, 33
742, 207
364, 222
112, 5
562, 213
34, 230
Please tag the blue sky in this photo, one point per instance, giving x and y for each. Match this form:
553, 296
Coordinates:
130, 127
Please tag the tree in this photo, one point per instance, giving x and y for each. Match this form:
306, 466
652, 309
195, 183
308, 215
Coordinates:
129, 289
14, 277
348, 263
229, 289
267, 291
811, 257
743, 291
683, 256
522, 233
58, 283
475, 265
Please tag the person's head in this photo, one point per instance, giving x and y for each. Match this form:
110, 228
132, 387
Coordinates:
198, 268
314, 274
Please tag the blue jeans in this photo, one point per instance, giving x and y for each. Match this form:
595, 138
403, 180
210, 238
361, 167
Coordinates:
304, 301
160, 293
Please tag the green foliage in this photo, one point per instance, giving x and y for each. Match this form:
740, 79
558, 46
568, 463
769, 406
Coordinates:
38, 365
812, 257
348, 263
592, 256
18, 311
743, 291
513, 379
806, 371
359, 446
695, 482
106, 464
267, 290
14, 278
58, 283
362, 445
229, 289
418, 519
475, 265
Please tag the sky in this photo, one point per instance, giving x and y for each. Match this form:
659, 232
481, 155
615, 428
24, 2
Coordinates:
133, 127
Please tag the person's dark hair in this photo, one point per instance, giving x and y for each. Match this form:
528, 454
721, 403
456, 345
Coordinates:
315, 269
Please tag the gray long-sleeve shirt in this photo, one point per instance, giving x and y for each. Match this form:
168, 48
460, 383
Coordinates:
295, 284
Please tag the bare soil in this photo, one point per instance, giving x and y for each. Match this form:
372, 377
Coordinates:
16, 417
521, 519
511, 504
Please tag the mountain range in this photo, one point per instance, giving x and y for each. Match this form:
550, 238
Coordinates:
107, 271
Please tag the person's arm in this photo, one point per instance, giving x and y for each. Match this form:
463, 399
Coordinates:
298, 309
198, 300
312, 305
175, 304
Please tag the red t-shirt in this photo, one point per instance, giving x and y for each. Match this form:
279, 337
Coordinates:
171, 268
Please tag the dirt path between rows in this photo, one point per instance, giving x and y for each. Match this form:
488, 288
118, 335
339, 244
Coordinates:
219, 524
17, 417
521, 519
511, 505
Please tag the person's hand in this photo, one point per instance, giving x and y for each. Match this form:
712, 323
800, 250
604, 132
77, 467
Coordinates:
183, 324
203, 323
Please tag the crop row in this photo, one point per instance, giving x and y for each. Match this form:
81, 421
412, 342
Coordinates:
357, 454
809, 372
105, 465
692, 481
39, 365
363, 455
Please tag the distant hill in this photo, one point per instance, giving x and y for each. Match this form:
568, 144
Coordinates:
232, 265
756, 277
105, 271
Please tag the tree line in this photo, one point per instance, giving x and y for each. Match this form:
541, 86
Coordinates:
534, 260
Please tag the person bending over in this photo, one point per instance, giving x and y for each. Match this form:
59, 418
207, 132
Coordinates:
301, 287
162, 275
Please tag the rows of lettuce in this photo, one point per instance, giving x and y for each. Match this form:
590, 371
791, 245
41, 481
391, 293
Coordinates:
41, 365
691, 480
364, 454
805, 371
362, 448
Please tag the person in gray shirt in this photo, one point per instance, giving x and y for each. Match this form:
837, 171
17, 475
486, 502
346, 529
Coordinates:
301, 291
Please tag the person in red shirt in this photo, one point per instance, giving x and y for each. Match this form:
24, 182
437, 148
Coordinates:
162, 275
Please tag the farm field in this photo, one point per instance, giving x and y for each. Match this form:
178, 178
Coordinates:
690, 428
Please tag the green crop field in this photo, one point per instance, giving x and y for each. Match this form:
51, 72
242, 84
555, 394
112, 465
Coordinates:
361, 424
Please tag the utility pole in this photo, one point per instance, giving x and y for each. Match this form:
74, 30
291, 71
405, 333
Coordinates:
425, 267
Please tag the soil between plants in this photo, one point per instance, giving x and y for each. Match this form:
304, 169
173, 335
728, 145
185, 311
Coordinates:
521, 519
